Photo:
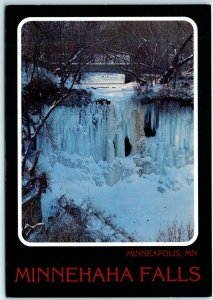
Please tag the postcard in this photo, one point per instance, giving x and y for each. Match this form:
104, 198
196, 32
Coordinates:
108, 134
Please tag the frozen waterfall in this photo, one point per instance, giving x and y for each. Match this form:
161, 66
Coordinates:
162, 132
100, 131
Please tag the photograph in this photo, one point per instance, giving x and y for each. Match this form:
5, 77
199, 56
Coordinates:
107, 130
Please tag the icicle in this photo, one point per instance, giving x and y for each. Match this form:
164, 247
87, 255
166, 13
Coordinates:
173, 143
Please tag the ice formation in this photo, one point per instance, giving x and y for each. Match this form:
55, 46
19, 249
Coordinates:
170, 129
162, 132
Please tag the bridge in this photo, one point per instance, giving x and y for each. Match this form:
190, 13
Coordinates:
105, 67
109, 68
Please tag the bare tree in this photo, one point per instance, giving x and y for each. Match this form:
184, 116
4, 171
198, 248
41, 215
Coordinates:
152, 47
177, 62
88, 37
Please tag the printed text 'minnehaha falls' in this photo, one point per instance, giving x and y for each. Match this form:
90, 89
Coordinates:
107, 274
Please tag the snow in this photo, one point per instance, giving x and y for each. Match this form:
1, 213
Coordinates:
137, 202
103, 78
163, 91
141, 208
85, 159
40, 72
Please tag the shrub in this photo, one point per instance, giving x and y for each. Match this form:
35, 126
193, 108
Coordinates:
175, 232
80, 223
39, 92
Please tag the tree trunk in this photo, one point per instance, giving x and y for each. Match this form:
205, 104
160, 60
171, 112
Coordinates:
32, 169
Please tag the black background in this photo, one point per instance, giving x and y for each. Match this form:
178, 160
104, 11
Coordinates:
19, 255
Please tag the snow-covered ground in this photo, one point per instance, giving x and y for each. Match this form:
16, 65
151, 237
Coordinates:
141, 204
85, 159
